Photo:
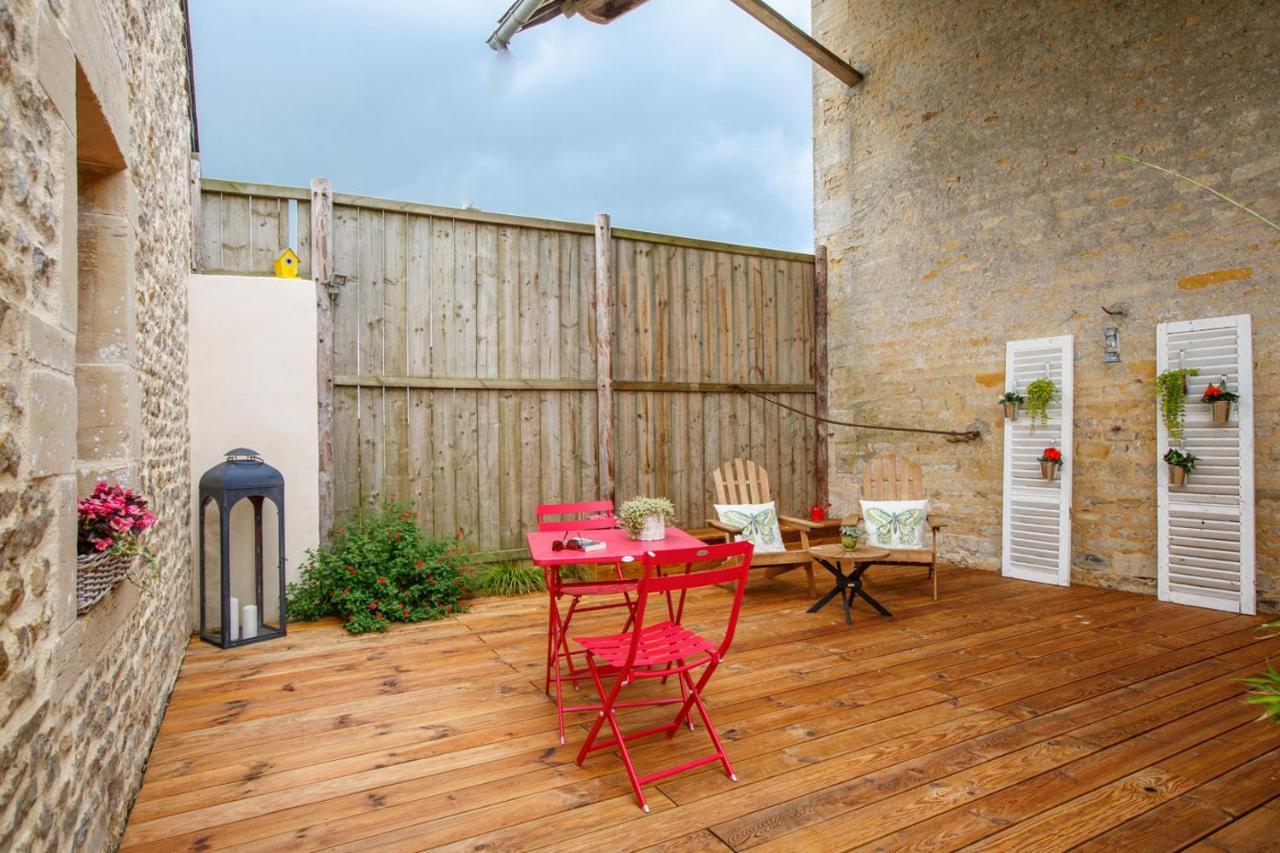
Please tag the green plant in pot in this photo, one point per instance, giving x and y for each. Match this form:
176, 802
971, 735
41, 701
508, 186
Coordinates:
851, 532
1040, 394
1171, 392
646, 519
1011, 401
1180, 466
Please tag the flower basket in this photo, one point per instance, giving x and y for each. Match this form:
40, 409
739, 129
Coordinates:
1010, 411
1221, 412
1050, 462
98, 574
1219, 400
1177, 476
1010, 403
1048, 470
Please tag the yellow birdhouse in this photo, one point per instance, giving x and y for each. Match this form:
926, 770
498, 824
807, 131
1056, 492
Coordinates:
286, 266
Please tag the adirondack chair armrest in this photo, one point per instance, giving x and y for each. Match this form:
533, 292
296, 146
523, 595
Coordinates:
936, 522
803, 523
723, 525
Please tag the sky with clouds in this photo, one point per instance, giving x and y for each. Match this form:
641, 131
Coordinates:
684, 116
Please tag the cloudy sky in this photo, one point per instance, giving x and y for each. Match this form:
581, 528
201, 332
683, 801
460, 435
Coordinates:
685, 116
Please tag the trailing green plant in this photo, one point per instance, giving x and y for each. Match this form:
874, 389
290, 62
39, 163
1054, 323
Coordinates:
1173, 399
1265, 688
1040, 394
633, 513
378, 570
1012, 398
1178, 459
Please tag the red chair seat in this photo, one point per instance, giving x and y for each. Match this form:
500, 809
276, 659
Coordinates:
660, 644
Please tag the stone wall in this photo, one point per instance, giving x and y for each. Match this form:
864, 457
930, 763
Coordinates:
969, 193
94, 214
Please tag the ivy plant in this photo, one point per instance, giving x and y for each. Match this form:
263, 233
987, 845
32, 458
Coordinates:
1173, 399
1040, 394
633, 514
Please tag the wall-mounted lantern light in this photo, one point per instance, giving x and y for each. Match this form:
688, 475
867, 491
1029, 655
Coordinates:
1111, 344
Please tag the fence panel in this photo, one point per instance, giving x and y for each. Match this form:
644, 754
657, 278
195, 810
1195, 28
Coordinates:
464, 358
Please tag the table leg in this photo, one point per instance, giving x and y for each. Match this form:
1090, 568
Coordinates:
855, 588
838, 589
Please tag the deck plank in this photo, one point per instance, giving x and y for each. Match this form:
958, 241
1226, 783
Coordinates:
1008, 714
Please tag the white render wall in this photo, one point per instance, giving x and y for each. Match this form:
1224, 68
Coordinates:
252, 346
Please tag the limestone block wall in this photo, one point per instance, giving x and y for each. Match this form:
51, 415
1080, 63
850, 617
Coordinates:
94, 257
969, 193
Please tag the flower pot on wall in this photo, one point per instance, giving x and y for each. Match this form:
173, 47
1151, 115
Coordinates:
1010, 411
1221, 412
1048, 470
1177, 476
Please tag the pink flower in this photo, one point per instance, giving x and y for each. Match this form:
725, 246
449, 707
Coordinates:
121, 524
102, 544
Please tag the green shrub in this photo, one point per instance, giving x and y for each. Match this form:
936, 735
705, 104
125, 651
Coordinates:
379, 570
1265, 688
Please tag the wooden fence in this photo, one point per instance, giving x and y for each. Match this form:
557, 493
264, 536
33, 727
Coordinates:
468, 375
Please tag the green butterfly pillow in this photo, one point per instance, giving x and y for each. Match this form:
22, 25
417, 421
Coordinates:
895, 524
759, 523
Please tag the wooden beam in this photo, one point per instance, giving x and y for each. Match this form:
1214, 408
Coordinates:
322, 275
604, 353
469, 383
821, 370
800, 40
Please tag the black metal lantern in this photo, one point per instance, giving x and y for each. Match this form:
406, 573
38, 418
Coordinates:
238, 604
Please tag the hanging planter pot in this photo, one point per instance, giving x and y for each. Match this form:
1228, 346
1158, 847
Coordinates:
1220, 400
1050, 462
1010, 403
1180, 467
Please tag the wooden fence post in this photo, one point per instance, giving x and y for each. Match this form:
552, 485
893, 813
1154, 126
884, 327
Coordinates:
604, 352
821, 369
322, 275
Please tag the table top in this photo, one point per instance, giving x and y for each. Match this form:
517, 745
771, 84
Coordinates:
861, 554
618, 545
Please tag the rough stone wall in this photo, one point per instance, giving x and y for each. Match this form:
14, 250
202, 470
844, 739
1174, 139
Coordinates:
81, 698
969, 194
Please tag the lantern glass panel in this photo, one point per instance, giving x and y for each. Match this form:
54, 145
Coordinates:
212, 592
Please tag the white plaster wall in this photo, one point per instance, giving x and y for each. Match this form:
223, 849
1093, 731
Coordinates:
252, 357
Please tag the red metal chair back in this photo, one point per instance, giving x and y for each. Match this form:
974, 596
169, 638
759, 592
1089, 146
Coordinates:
731, 561
598, 516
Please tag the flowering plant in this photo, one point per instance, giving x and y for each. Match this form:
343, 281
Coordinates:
380, 569
1053, 455
1218, 394
111, 518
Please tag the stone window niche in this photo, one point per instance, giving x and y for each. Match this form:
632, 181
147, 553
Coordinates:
107, 393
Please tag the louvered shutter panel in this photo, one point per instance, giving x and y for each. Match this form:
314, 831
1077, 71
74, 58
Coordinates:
1037, 512
1205, 528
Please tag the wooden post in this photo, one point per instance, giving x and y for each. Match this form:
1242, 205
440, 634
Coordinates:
322, 275
197, 217
604, 352
821, 369
800, 40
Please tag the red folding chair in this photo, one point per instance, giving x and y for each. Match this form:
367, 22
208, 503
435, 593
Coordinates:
595, 515
665, 649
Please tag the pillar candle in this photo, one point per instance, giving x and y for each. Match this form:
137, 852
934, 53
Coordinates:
233, 629
249, 621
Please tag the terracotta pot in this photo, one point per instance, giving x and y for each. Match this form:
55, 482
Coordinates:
1177, 476
1010, 411
1048, 470
1221, 412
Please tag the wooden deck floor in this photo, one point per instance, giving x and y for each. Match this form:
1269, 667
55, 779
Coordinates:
1008, 715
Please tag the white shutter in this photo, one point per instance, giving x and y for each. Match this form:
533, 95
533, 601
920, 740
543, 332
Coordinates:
1037, 512
1205, 528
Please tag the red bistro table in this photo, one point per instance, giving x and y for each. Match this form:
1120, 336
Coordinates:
619, 547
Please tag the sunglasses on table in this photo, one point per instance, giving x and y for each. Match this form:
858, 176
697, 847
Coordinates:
567, 544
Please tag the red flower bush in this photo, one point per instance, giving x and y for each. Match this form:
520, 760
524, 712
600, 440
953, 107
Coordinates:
110, 519
1051, 454
1218, 393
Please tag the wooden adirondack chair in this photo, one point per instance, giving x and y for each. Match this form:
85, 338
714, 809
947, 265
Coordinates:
742, 481
895, 478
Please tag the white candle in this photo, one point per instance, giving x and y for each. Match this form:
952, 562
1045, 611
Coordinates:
249, 621
233, 629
